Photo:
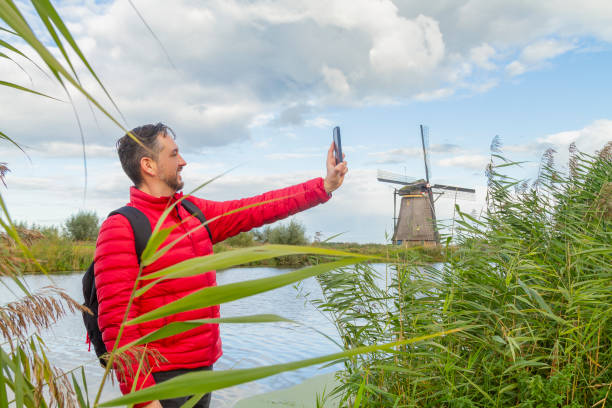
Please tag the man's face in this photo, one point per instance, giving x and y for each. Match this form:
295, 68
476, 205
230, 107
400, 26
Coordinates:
170, 163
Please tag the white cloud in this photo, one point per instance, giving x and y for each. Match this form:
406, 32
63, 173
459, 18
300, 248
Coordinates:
521, 148
319, 122
261, 120
446, 148
468, 161
336, 80
415, 46
32, 183
535, 54
66, 149
481, 56
395, 155
588, 139
291, 156
544, 50
263, 143
516, 68
433, 95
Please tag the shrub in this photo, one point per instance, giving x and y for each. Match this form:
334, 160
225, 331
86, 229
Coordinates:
293, 233
82, 226
244, 239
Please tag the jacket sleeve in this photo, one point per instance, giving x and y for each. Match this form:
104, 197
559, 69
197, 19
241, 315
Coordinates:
116, 269
287, 201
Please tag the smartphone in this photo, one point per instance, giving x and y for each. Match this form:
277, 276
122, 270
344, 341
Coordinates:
337, 145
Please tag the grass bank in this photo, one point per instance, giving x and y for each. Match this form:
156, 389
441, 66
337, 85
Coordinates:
55, 254
60, 254
390, 253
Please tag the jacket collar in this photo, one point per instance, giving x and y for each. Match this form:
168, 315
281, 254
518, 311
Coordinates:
140, 199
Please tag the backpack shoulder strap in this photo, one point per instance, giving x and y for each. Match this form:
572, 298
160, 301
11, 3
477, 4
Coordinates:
196, 212
140, 225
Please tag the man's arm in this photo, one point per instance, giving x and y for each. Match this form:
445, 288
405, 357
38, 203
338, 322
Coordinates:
116, 270
283, 203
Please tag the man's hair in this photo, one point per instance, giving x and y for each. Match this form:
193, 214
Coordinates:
131, 152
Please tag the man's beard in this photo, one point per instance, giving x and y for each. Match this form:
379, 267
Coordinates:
174, 182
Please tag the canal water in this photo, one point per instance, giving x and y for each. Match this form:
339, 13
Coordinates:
244, 345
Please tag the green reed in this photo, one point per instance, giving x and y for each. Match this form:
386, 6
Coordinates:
530, 280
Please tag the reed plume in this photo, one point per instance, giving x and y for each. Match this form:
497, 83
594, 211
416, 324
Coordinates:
126, 362
3, 170
36, 310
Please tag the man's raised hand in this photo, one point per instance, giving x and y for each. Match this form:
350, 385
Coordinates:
335, 172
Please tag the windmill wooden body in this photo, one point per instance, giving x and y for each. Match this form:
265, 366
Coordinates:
416, 223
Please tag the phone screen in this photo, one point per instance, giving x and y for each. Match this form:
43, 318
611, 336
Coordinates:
337, 145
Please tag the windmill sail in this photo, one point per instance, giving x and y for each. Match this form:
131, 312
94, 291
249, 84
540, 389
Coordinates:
460, 193
425, 143
395, 178
453, 188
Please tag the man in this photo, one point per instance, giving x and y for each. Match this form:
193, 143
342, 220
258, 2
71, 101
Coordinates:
156, 173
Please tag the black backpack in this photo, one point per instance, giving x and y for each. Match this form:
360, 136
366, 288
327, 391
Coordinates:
142, 232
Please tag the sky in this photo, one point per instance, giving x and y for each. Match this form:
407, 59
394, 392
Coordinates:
260, 84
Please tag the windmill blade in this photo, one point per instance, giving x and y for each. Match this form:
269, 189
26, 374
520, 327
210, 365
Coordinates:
453, 188
395, 178
453, 192
454, 195
425, 144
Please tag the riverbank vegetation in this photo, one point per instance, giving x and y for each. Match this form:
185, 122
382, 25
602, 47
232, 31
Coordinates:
57, 249
529, 280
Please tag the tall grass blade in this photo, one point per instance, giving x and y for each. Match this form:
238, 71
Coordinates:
3, 382
46, 10
215, 295
224, 260
24, 89
144, 22
174, 328
192, 401
8, 139
357, 403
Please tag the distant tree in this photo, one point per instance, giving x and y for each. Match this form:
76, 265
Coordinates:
261, 234
82, 226
293, 233
244, 239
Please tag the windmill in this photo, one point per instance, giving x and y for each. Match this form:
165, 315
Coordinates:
416, 223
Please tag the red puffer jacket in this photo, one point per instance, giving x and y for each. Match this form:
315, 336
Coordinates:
116, 268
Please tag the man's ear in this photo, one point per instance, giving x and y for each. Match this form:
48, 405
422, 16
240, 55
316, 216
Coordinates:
148, 166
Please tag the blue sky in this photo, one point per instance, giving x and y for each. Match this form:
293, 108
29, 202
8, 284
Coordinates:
261, 85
